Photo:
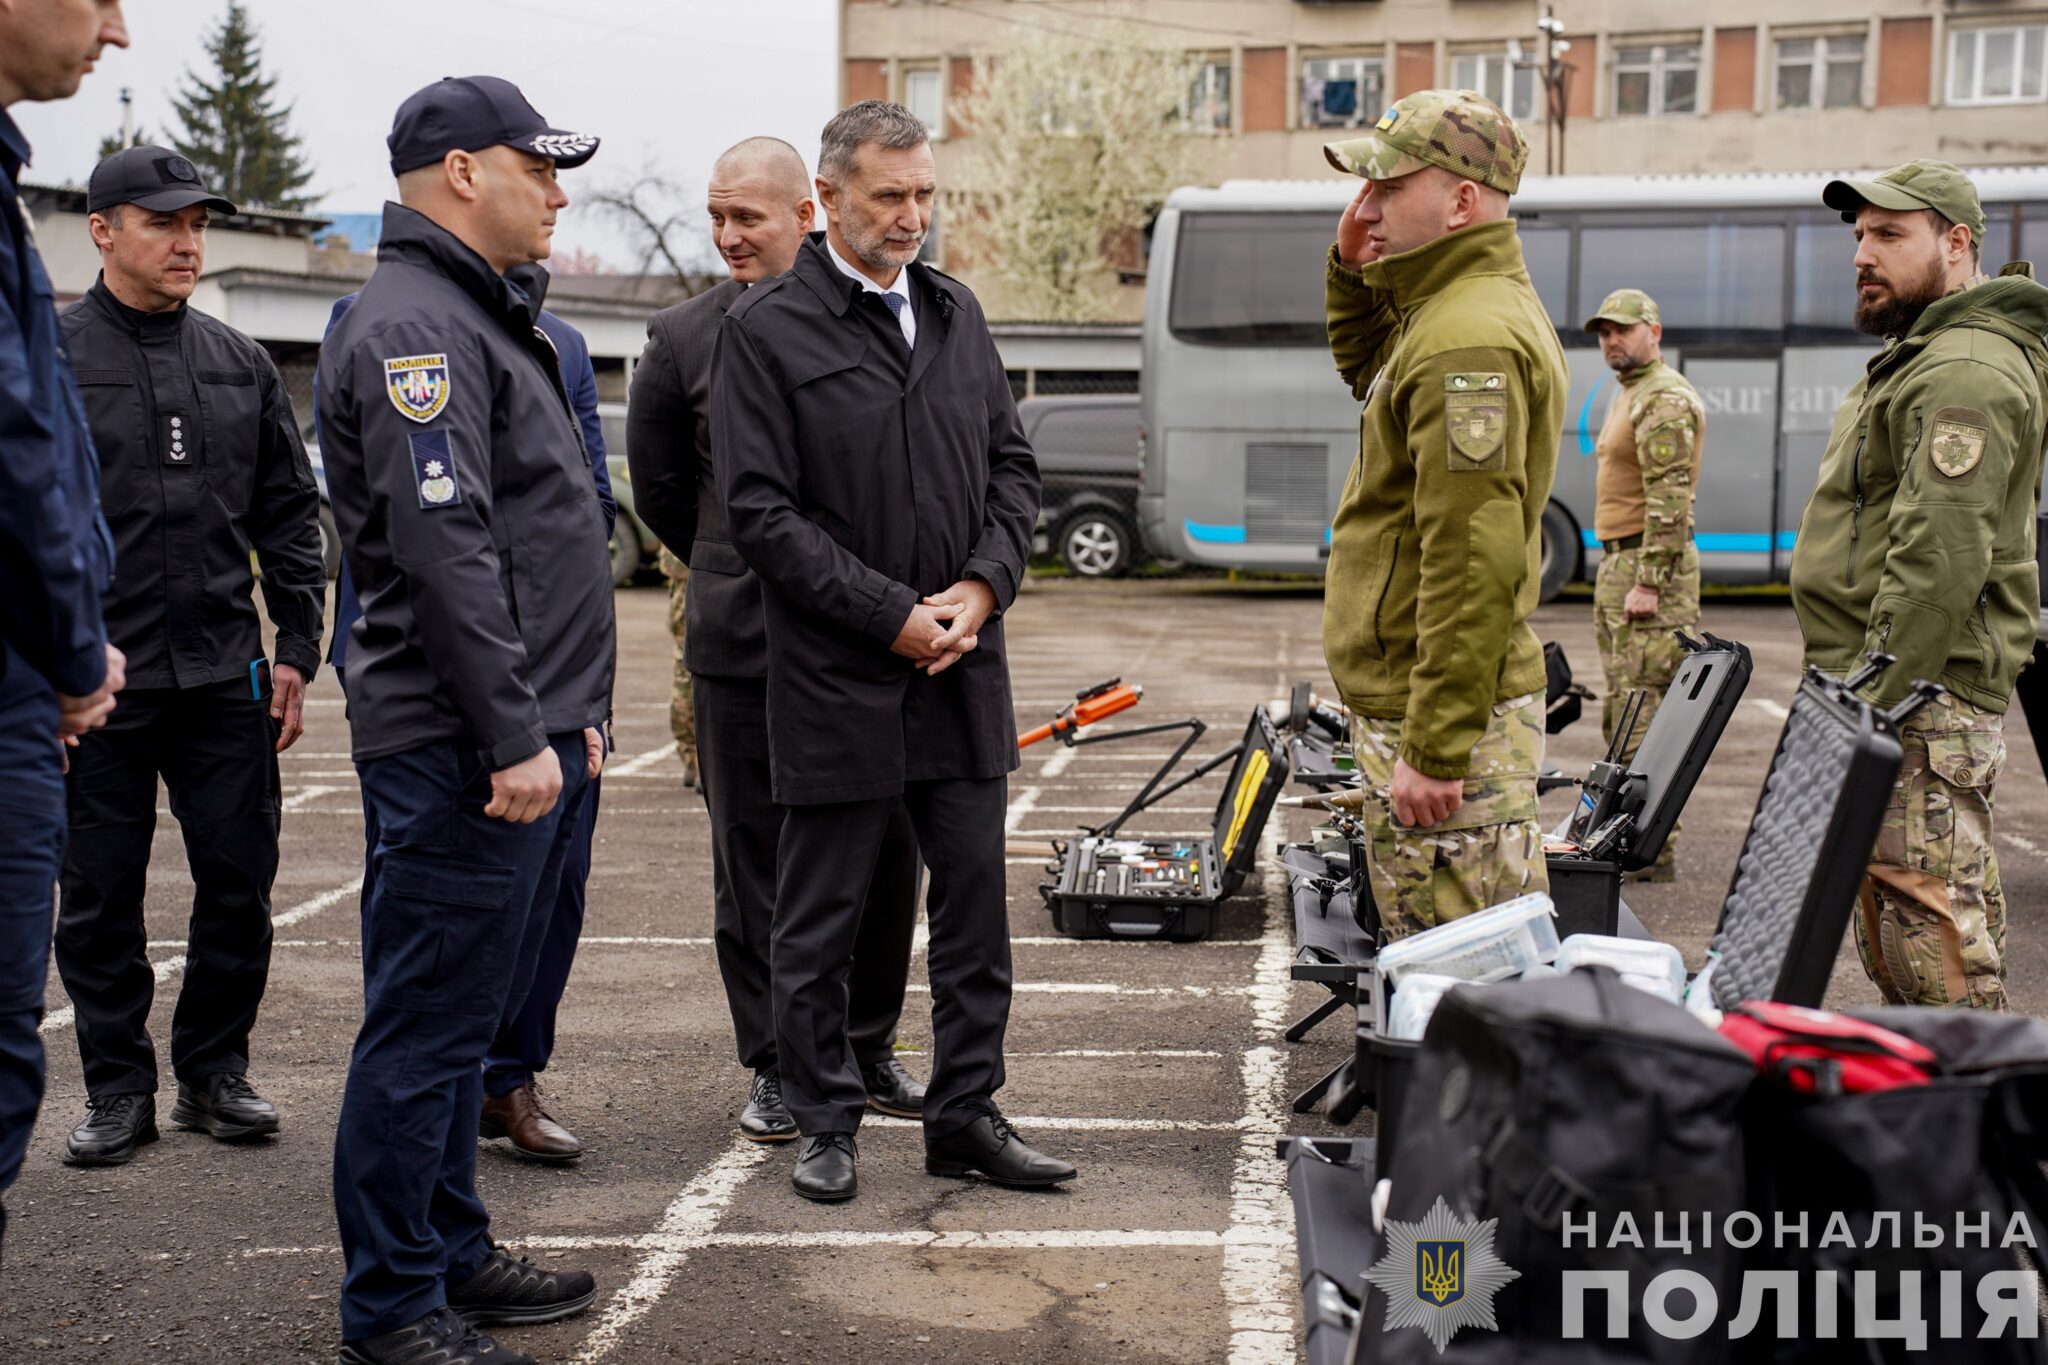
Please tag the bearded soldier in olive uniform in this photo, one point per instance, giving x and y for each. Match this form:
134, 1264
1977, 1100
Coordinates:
1649, 581
1435, 547
1919, 541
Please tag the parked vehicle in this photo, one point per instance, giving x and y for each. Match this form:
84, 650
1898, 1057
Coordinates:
634, 547
1088, 467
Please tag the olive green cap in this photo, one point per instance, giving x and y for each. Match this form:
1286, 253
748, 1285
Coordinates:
1933, 185
1460, 130
1627, 307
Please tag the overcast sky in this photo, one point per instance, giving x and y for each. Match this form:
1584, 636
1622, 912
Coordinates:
665, 83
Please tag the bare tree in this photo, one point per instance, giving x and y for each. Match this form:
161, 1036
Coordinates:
661, 231
1076, 142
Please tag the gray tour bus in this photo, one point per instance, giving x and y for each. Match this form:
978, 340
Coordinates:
1248, 433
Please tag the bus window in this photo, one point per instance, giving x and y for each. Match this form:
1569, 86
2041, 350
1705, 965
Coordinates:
2034, 239
1244, 278
1548, 254
1824, 277
1721, 277
1998, 240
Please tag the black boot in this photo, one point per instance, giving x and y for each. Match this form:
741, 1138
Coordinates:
990, 1148
519, 1293
765, 1119
892, 1090
825, 1168
440, 1337
225, 1106
115, 1125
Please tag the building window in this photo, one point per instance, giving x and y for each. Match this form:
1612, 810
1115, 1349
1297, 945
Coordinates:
1820, 73
923, 95
1342, 92
1499, 77
1658, 79
1209, 99
1998, 65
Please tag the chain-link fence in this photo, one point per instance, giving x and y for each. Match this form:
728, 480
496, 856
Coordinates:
1057, 383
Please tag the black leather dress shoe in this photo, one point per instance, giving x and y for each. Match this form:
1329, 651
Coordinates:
766, 1119
825, 1168
518, 1293
224, 1106
115, 1125
439, 1338
989, 1148
892, 1090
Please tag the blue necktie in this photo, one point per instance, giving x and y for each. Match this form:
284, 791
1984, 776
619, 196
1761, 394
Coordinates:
897, 303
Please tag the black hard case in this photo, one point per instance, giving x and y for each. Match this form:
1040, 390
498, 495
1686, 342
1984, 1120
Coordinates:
1228, 853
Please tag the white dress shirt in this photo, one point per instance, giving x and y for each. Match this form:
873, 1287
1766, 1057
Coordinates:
907, 318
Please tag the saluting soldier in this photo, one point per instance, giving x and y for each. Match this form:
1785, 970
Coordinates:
1436, 546
1919, 541
1649, 471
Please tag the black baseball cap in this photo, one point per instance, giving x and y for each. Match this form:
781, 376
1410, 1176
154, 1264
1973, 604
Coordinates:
470, 113
152, 178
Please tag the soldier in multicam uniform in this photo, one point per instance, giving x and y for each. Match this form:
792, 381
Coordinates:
1435, 548
1919, 541
682, 708
1649, 583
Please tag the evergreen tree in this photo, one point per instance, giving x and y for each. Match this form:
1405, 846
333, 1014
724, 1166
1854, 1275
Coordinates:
112, 142
233, 130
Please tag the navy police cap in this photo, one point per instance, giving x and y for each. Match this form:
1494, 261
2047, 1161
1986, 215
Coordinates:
155, 179
470, 113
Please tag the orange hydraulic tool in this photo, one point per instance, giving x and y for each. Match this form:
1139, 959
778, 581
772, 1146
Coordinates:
1094, 704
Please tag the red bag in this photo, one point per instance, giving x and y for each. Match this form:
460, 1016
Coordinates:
1820, 1053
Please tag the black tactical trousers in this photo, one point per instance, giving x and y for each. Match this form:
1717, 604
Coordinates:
214, 748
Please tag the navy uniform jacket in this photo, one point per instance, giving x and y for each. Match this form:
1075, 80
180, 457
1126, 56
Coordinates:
668, 442
56, 556
200, 463
466, 509
859, 476
579, 376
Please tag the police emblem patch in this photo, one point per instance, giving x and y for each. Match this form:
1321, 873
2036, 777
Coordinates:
433, 469
1440, 1274
1955, 443
418, 385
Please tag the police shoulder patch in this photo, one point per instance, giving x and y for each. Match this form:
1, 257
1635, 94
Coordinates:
1956, 438
433, 469
418, 384
1476, 420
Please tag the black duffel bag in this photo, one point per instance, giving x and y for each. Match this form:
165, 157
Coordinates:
1569, 1099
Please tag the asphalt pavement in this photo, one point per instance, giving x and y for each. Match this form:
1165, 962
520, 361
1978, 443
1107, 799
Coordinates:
1159, 1069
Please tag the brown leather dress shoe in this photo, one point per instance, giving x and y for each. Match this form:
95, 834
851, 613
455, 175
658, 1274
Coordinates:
518, 1117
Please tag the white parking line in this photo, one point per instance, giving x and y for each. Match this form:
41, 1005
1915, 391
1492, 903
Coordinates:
1775, 710
640, 763
306, 796
692, 1214
964, 1239
171, 966
2022, 843
1071, 1125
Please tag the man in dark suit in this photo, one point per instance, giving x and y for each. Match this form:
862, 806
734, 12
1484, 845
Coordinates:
760, 208
876, 479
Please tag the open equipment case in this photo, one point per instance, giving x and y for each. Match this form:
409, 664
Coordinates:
1106, 885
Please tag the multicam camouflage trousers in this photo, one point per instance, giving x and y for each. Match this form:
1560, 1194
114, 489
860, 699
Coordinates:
1489, 850
1641, 654
1932, 923
682, 710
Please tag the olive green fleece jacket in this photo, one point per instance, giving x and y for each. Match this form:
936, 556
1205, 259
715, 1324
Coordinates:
1919, 539
1436, 546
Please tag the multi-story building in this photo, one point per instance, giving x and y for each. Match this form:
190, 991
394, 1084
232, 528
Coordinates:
1649, 86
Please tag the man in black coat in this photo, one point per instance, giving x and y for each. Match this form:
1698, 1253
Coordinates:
876, 478
760, 209
200, 463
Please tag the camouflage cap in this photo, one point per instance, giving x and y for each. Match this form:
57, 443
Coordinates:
1933, 185
1460, 130
1627, 307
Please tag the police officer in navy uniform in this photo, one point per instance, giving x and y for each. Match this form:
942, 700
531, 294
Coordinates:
58, 674
200, 464
478, 677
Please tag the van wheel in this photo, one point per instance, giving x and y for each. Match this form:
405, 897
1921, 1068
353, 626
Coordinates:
1094, 544
625, 550
1560, 551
